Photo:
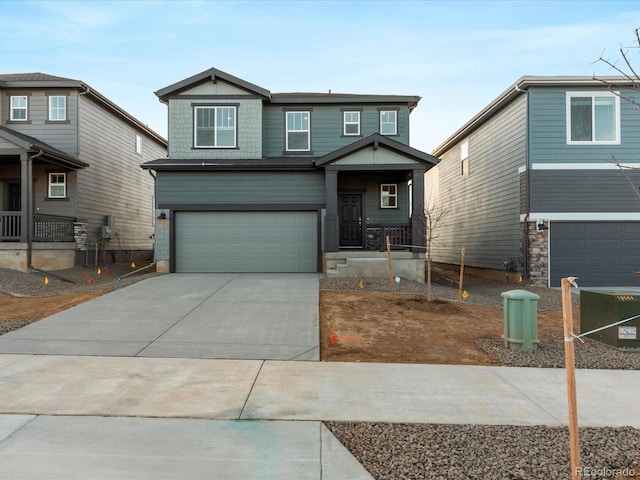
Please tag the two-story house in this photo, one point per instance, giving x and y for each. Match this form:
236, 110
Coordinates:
71, 190
533, 184
287, 182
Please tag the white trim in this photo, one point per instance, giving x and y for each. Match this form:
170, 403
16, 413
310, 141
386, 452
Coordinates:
289, 130
394, 123
58, 108
582, 166
345, 123
13, 110
593, 94
522, 169
389, 195
216, 128
586, 216
138, 144
63, 184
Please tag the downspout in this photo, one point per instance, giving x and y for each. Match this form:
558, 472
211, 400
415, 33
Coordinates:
155, 207
29, 226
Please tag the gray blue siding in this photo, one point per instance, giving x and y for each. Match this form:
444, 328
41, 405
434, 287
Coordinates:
483, 207
232, 188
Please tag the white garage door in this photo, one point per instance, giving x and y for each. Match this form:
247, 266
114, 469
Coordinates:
246, 242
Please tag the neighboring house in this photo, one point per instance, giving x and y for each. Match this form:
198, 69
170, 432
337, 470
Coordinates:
287, 182
531, 185
71, 188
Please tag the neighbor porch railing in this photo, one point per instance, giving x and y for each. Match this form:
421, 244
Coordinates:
46, 228
399, 237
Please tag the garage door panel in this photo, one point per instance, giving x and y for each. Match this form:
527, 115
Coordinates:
246, 241
598, 253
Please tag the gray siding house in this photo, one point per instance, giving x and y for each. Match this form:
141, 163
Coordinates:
70, 182
287, 182
533, 184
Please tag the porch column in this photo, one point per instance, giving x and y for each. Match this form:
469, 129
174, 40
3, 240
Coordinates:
331, 219
26, 179
418, 231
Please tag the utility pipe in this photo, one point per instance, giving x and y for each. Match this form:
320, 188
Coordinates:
136, 271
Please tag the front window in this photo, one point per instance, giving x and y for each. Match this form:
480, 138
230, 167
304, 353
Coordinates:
57, 185
57, 108
18, 109
464, 158
388, 122
215, 127
298, 132
351, 123
593, 118
389, 195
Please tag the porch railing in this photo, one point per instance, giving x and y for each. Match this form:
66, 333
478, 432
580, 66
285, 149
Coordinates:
10, 226
399, 237
46, 228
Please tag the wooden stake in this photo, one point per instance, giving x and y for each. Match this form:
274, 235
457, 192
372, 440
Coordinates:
461, 275
391, 280
567, 317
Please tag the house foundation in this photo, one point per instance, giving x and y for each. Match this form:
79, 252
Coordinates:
367, 263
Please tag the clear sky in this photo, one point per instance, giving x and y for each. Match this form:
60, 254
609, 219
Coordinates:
456, 55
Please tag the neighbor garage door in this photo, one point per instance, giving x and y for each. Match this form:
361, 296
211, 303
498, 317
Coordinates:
246, 241
598, 253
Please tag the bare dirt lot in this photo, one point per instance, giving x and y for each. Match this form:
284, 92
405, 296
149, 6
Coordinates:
372, 327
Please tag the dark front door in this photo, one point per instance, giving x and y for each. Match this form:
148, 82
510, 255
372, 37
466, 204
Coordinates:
351, 220
15, 197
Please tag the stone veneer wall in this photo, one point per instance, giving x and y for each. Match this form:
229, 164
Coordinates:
538, 253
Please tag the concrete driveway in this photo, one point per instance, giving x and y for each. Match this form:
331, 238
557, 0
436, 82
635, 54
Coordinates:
236, 316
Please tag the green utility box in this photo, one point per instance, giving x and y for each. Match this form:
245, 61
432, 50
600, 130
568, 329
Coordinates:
520, 320
599, 308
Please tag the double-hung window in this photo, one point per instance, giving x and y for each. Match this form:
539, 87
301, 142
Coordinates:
593, 118
214, 127
298, 131
389, 195
351, 123
57, 108
57, 185
388, 122
464, 158
18, 106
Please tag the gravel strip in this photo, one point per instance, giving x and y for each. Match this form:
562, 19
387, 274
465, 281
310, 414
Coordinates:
445, 452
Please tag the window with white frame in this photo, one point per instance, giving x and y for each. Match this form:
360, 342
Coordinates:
298, 132
351, 123
57, 108
593, 118
18, 106
57, 185
388, 122
138, 144
464, 158
389, 195
214, 127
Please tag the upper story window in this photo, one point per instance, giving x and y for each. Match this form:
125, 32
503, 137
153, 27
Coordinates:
138, 144
298, 131
593, 118
388, 122
215, 127
18, 106
351, 123
389, 195
57, 108
464, 158
57, 185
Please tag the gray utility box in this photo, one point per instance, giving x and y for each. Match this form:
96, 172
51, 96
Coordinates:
520, 320
604, 307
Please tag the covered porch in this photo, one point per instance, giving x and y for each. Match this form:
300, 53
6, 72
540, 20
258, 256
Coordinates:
375, 188
38, 228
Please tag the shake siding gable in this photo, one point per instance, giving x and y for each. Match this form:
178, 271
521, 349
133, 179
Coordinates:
484, 206
114, 184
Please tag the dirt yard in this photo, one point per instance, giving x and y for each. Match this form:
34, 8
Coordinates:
371, 327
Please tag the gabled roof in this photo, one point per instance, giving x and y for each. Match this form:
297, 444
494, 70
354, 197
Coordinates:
34, 145
43, 80
519, 87
376, 140
210, 75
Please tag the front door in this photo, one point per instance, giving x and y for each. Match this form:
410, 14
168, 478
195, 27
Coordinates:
351, 220
15, 197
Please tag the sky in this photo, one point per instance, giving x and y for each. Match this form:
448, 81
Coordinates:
456, 55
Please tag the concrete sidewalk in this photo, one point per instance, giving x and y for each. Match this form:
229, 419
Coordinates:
162, 418
274, 390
